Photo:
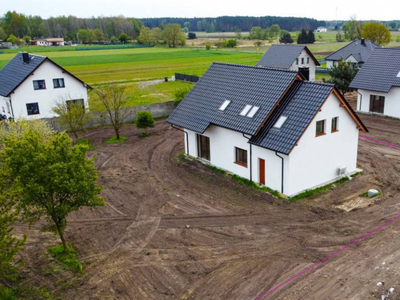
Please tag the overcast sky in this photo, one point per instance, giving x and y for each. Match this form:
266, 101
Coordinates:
320, 10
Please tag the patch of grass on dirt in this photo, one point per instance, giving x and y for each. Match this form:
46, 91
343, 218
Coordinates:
6, 294
23, 291
67, 261
211, 167
115, 140
322, 189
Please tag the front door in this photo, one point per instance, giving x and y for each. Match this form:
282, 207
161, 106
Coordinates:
262, 171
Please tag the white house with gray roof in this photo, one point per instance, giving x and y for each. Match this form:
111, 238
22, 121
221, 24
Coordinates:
290, 57
378, 83
357, 52
269, 126
31, 84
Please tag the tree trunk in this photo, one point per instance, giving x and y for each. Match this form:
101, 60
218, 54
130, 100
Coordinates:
117, 133
62, 238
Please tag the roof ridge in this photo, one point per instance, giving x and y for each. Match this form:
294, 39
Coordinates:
32, 54
318, 83
254, 67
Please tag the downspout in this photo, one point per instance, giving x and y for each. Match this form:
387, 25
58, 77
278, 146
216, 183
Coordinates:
283, 166
12, 110
251, 159
360, 99
187, 137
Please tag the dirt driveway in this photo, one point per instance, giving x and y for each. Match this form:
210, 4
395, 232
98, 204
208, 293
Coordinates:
173, 229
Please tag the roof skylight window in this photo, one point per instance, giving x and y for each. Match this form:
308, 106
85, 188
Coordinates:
280, 122
245, 110
224, 105
253, 111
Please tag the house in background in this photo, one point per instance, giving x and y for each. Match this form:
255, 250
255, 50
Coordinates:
378, 83
270, 126
31, 84
290, 57
321, 29
47, 42
357, 52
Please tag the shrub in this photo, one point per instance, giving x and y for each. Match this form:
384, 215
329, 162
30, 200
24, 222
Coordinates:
208, 46
67, 261
191, 36
144, 119
229, 43
180, 94
286, 38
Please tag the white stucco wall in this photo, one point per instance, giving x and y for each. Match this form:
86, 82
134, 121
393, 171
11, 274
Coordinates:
392, 101
330, 63
25, 93
311, 65
315, 161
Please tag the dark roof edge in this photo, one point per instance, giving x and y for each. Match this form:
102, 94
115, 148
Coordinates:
312, 56
85, 84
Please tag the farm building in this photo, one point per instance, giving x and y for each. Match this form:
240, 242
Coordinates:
270, 126
47, 42
31, 84
356, 52
290, 57
378, 83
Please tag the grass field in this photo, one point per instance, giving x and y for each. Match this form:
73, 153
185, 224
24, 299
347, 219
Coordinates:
129, 65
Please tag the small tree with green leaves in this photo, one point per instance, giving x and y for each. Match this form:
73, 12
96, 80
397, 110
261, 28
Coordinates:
72, 115
377, 33
51, 177
342, 75
27, 39
114, 100
144, 119
181, 93
286, 38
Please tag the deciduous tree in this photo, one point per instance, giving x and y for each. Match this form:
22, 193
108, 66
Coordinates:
173, 35
286, 38
377, 33
51, 177
124, 38
114, 100
3, 35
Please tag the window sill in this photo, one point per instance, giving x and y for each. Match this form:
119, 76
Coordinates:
241, 164
59, 87
333, 131
320, 134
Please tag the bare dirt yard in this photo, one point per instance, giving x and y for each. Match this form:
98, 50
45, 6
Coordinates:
174, 229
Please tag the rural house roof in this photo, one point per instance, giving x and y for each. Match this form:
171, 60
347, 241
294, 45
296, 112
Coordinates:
381, 72
283, 56
277, 93
16, 71
240, 84
360, 49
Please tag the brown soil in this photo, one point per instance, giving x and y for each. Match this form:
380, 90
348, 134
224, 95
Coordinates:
174, 229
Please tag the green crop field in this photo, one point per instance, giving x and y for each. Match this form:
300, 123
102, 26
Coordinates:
130, 65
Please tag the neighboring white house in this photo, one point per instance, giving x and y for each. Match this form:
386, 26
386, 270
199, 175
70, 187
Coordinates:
270, 126
47, 42
321, 29
356, 52
378, 83
291, 57
31, 84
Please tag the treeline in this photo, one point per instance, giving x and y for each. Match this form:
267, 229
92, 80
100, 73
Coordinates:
229, 24
21, 25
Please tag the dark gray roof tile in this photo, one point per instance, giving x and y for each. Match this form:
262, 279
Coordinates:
241, 85
355, 48
15, 72
380, 72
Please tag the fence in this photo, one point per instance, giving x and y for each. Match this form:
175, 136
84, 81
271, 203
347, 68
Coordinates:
320, 70
184, 77
97, 119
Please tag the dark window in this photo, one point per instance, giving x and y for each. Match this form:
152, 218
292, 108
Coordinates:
203, 144
377, 104
58, 83
8, 107
308, 60
74, 102
39, 84
302, 60
4, 110
320, 128
334, 124
32, 108
297, 61
241, 157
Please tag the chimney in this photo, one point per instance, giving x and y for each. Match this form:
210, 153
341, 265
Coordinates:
25, 57
362, 42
